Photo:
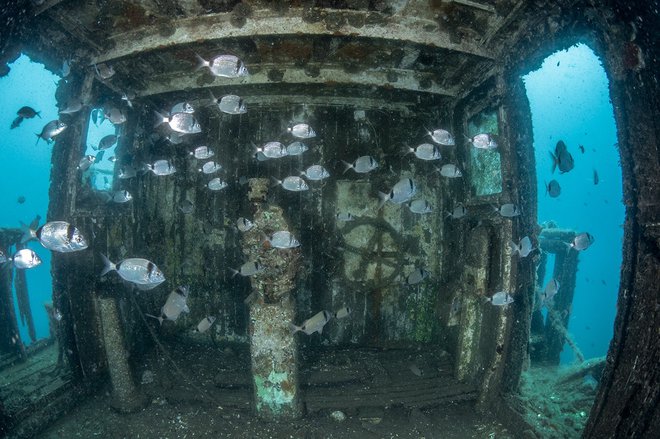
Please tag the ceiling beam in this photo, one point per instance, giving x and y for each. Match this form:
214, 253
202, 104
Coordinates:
407, 80
265, 23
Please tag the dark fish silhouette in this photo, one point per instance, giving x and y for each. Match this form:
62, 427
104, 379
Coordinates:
562, 158
21, 200
581, 147
28, 112
553, 189
596, 179
24, 113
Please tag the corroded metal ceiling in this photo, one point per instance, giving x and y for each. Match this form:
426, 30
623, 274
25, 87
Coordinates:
436, 48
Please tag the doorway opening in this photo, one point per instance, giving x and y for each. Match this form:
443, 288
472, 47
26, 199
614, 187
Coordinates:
579, 185
31, 361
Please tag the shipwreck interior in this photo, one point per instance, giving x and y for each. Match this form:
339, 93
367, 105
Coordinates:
372, 78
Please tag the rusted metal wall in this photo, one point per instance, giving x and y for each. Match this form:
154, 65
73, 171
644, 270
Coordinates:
360, 264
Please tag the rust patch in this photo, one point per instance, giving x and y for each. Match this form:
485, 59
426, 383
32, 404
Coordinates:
288, 386
355, 51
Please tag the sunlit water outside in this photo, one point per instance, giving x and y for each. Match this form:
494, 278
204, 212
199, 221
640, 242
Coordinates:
569, 99
25, 168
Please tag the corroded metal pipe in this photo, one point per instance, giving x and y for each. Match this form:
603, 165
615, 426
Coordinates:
273, 347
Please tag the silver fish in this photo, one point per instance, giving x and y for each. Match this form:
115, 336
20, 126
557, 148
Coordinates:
175, 304
420, 206
230, 104
403, 191
344, 216
115, 116
216, 184
244, 224
86, 162
442, 137
202, 153
293, 183
122, 196
51, 130
205, 324
128, 97
106, 142
582, 241
450, 171
74, 106
273, 150
362, 165
458, 212
186, 207
161, 167
501, 298
3, 258
66, 68
25, 258
523, 249
315, 172
550, 290
228, 66
126, 172
483, 141
248, 269
415, 370
343, 312
135, 270
182, 107
180, 122
302, 131
210, 167
283, 239
260, 156
296, 148
175, 138
313, 324
112, 159
507, 210
58, 236
417, 276
426, 151
104, 71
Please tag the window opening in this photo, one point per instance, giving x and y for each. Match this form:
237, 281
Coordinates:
486, 175
102, 140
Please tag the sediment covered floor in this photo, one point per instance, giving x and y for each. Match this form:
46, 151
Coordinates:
379, 391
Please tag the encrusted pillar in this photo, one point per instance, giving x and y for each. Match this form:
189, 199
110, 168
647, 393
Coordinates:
273, 347
125, 396
474, 281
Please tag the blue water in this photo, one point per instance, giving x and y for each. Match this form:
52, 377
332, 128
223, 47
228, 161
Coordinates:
569, 99
25, 169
